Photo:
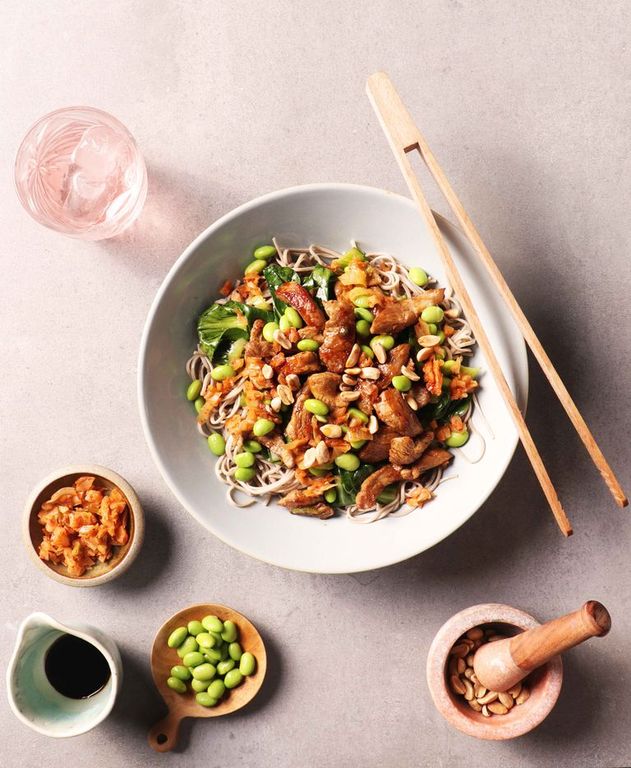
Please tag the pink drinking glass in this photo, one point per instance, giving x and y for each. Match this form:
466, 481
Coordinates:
79, 171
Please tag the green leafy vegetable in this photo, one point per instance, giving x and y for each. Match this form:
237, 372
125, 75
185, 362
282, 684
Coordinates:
350, 482
220, 323
321, 279
251, 313
275, 276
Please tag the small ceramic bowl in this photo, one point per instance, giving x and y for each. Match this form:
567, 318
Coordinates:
545, 682
122, 557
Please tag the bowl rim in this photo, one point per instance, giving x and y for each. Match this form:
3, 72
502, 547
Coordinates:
136, 512
300, 189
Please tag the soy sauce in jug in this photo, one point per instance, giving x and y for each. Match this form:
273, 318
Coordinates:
76, 668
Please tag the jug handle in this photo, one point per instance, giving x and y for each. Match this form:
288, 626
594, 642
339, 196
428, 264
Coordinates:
164, 734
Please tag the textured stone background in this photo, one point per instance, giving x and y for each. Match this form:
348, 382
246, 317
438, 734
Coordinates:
527, 107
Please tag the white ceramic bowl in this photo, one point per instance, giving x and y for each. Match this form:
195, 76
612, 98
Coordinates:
330, 214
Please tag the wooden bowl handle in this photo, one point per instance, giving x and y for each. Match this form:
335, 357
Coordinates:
164, 734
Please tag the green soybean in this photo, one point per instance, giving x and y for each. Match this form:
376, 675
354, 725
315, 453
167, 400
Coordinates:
225, 666
363, 302
316, 407
264, 252
348, 461
432, 315
364, 314
368, 351
230, 632
418, 276
212, 624
387, 342
357, 444
244, 474
213, 655
181, 672
330, 496
233, 678
199, 404
176, 684
308, 345
247, 665
269, 329
441, 337
402, 383
256, 266
217, 689
252, 446
205, 640
355, 413
262, 427
245, 459
205, 700
449, 366
217, 444
188, 646
295, 321
432, 328
318, 471
457, 439
193, 659
195, 627
234, 650
222, 372
473, 372
204, 671
177, 637
363, 328
284, 324
194, 388
199, 685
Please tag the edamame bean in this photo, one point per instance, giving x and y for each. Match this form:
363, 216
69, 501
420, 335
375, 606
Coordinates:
402, 383
262, 427
217, 689
264, 252
368, 351
181, 672
230, 632
316, 407
212, 624
432, 329
295, 321
193, 659
175, 684
177, 637
235, 651
457, 439
363, 328
348, 461
213, 655
245, 459
199, 404
233, 678
473, 372
269, 329
449, 366
194, 388
418, 276
330, 496
205, 640
357, 444
218, 638
363, 302
222, 372
364, 314
432, 315
252, 446
244, 474
205, 700
195, 627
284, 323
318, 471
355, 413
308, 345
387, 342
254, 267
441, 337
188, 646
225, 666
217, 444
247, 665
199, 685
204, 671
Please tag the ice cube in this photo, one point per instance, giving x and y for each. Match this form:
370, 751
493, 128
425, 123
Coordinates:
98, 153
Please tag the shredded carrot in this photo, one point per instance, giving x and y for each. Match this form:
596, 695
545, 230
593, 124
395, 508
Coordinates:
226, 288
433, 375
461, 385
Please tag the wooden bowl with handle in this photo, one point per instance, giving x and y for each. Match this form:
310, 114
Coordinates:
164, 734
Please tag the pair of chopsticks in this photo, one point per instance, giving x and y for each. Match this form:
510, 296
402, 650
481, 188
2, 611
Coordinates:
404, 137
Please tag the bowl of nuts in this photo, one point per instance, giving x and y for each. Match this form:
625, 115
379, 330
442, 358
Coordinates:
462, 699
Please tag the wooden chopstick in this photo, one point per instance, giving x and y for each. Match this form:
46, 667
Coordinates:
505, 292
403, 137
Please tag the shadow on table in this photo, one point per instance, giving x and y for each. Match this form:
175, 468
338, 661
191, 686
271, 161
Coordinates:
139, 705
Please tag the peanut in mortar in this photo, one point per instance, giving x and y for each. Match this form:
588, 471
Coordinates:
464, 682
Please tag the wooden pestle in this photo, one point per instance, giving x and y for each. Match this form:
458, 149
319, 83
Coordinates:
503, 663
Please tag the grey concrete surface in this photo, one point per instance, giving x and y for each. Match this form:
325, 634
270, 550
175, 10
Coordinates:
527, 107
